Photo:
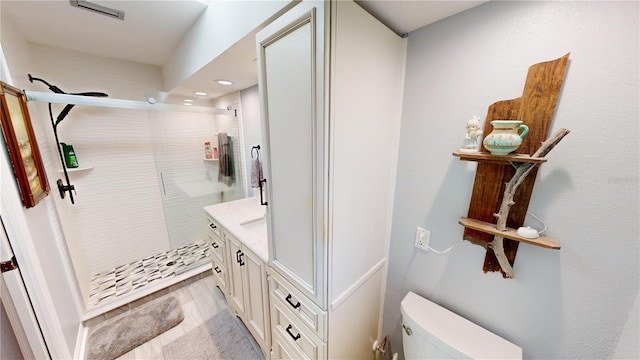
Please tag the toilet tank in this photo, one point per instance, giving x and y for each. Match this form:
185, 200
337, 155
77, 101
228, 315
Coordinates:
433, 332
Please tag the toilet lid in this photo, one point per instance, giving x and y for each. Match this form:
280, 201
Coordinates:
449, 330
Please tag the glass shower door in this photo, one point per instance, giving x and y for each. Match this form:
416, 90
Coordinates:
187, 179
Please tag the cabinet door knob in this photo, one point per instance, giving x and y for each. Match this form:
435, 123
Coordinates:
294, 337
295, 306
217, 269
213, 226
215, 245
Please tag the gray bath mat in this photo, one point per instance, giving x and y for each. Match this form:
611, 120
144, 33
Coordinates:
133, 328
220, 337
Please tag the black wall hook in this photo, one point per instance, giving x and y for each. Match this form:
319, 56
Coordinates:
257, 149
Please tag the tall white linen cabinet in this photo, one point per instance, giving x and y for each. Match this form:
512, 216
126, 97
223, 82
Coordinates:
330, 80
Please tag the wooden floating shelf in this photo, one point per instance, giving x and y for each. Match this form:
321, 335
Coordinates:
542, 241
487, 157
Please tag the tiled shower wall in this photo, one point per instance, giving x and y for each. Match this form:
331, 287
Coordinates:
74, 72
122, 188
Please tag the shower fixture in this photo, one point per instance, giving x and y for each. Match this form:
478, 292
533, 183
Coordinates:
99, 9
235, 111
61, 186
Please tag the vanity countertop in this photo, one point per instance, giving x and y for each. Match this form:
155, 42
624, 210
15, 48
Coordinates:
245, 220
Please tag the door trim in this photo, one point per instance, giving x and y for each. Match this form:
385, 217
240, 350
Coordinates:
310, 13
32, 274
17, 304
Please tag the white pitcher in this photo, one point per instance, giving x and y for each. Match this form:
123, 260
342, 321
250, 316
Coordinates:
504, 138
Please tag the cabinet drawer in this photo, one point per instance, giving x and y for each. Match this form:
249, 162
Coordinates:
297, 336
218, 247
219, 275
280, 350
300, 306
214, 227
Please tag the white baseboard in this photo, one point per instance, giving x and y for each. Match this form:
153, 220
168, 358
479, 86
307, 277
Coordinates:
83, 334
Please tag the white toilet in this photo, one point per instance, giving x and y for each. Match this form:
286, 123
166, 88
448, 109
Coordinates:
433, 332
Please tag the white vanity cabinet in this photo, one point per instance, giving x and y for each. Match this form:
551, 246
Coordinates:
330, 82
239, 256
249, 295
218, 255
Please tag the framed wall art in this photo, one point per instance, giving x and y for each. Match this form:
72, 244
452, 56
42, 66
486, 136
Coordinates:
22, 146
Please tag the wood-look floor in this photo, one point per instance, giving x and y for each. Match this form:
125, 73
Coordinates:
200, 299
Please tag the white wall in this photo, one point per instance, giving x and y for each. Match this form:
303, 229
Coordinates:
9, 348
250, 102
19, 56
571, 303
221, 25
57, 301
627, 347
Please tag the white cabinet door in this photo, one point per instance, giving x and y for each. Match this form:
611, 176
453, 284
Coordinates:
249, 291
291, 60
257, 318
236, 279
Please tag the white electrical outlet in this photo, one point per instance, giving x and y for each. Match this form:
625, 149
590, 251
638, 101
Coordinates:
423, 236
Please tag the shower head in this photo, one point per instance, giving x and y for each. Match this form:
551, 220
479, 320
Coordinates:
67, 108
91, 93
53, 88
57, 90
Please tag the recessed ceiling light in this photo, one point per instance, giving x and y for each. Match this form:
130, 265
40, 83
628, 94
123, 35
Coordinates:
200, 93
224, 82
188, 100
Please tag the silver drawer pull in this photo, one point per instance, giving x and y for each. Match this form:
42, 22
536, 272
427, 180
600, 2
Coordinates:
294, 337
215, 245
217, 269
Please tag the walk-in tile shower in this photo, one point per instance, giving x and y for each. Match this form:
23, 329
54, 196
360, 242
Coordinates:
141, 184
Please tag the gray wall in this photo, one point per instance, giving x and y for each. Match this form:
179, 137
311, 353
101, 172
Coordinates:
571, 303
250, 100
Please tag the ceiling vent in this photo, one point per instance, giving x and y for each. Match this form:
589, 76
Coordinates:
99, 9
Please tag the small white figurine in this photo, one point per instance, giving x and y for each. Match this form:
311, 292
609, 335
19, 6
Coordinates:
473, 138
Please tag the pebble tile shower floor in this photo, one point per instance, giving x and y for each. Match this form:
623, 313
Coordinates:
121, 280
